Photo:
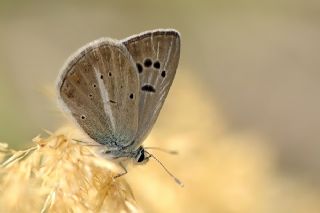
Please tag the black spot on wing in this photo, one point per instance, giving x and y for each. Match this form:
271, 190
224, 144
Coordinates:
163, 74
156, 65
139, 67
147, 62
148, 88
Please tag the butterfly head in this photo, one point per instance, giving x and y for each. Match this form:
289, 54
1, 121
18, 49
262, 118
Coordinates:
141, 156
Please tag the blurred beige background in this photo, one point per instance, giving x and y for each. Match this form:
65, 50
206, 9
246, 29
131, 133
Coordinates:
257, 61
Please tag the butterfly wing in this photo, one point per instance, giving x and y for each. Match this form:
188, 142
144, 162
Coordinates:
99, 88
156, 55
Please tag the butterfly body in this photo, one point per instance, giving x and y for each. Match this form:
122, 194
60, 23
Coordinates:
114, 89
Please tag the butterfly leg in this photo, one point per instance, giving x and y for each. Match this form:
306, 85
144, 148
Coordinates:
85, 143
124, 171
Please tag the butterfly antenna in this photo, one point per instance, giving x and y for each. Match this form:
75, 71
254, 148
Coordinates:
169, 173
172, 152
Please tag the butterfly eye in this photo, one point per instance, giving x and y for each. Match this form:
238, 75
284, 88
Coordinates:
131, 96
101, 76
83, 117
110, 74
141, 157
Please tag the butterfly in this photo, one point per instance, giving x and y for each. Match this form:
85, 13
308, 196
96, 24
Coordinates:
114, 89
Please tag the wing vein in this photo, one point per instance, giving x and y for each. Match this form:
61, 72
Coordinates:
105, 98
158, 46
169, 54
153, 50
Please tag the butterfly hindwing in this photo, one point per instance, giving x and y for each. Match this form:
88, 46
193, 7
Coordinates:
99, 87
156, 56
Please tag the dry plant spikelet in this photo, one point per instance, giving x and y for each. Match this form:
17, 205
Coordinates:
59, 175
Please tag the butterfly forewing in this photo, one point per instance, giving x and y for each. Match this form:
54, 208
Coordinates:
99, 87
156, 56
